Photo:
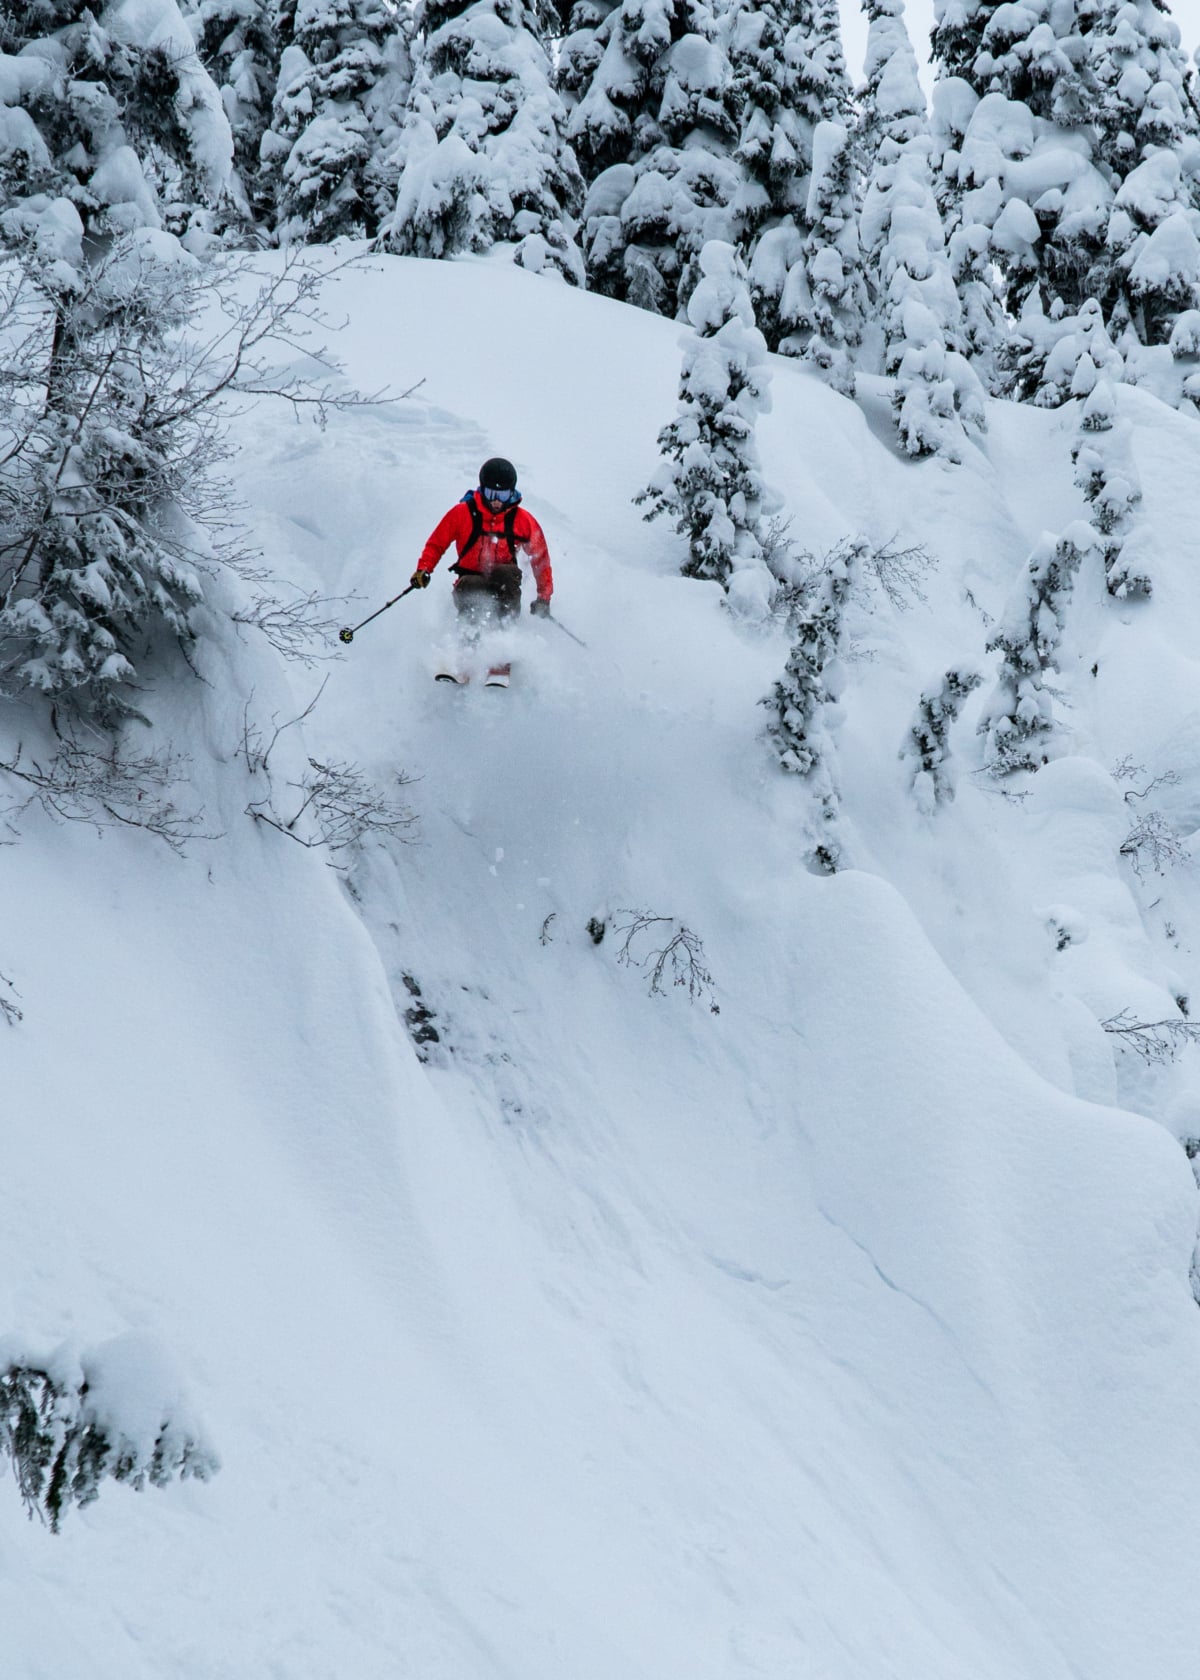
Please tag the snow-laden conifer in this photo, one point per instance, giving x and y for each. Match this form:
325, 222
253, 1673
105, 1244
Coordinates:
1069, 154
966, 229
343, 75
824, 303
483, 156
799, 703
238, 43
774, 138
69, 1419
1019, 718
113, 109
936, 390
804, 264
1072, 352
926, 750
1107, 474
710, 481
655, 134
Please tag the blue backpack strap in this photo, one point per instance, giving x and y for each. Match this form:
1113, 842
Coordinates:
476, 524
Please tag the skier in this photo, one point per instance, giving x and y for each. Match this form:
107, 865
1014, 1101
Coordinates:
488, 526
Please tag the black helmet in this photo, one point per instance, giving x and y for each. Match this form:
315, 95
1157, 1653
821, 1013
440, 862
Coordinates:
497, 474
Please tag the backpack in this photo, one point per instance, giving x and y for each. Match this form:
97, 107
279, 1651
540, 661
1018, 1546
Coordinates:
510, 520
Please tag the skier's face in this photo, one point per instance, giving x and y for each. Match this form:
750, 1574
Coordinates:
497, 498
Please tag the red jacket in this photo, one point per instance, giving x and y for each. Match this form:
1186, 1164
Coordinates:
492, 548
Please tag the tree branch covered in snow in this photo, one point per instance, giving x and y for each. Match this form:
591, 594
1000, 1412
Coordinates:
68, 1421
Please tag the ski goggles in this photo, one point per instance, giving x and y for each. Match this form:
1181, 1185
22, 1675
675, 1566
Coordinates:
504, 496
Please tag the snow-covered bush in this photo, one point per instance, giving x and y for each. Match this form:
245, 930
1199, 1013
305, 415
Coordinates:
483, 155
927, 749
69, 1418
710, 481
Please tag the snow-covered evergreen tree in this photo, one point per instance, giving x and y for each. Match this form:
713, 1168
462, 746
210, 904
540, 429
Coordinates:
69, 1420
655, 133
113, 109
1019, 718
810, 685
774, 140
483, 155
710, 481
238, 43
581, 50
927, 749
1072, 173
1071, 353
1106, 473
936, 389
824, 302
804, 262
95, 549
343, 76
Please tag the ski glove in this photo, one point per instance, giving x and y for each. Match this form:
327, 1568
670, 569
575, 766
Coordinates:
419, 580
540, 608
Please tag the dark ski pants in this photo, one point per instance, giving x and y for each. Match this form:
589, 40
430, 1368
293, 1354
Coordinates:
486, 599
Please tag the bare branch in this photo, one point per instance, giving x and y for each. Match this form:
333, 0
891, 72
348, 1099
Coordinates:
679, 960
296, 627
107, 790
1156, 1042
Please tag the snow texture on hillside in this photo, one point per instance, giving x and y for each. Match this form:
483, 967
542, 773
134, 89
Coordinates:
841, 1330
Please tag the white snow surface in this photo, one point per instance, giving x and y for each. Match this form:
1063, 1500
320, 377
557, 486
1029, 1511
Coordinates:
844, 1334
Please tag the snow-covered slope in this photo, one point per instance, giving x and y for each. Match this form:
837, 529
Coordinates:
812, 1327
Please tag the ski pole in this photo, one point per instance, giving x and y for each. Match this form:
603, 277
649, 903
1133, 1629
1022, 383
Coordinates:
348, 632
565, 631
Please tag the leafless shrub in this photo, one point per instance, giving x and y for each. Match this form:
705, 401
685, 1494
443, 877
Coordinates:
1153, 844
545, 936
108, 789
678, 961
1156, 1042
342, 807
8, 1009
898, 573
254, 747
1125, 770
298, 627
